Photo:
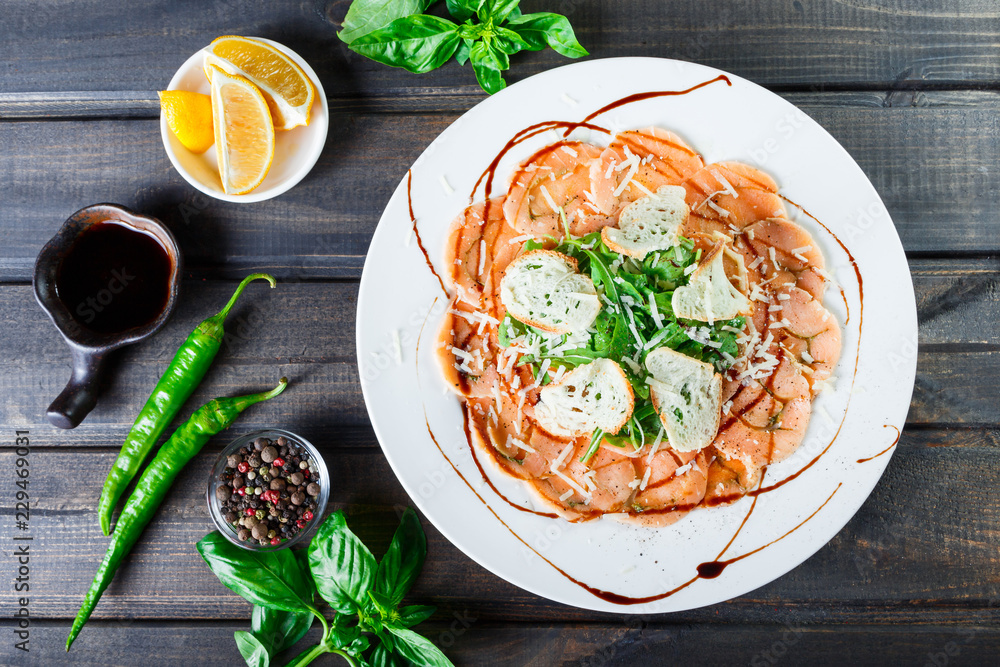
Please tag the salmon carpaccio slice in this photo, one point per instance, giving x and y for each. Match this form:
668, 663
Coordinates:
478, 250
727, 196
556, 177
663, 159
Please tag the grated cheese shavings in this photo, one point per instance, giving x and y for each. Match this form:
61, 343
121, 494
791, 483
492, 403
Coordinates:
445, 185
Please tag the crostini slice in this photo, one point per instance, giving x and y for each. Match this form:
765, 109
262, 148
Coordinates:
687, 395
591, 396
710, 296
542, 288
649, 224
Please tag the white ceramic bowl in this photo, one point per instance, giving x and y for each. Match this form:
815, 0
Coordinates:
295, 150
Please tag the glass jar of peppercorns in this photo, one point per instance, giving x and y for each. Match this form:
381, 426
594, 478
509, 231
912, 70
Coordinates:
268, 490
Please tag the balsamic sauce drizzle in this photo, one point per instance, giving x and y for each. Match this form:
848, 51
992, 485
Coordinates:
894, 443
708, 570
638, 97
416, 232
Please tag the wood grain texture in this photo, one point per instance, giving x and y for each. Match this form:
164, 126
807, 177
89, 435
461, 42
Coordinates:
909, 89
305, 330
871, 42
107, 644
927, 534
932, 164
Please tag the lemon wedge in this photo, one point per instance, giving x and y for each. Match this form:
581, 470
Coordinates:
287, 89
244, 133
189, 117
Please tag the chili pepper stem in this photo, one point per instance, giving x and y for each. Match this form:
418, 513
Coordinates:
224, 313
244, 402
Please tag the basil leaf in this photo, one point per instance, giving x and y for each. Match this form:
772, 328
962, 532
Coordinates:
344, 636
365, 16
384, 657
403, 561
418, 649
463, 10
342, 566
497, 10
415, 614
488, 62
462, 54
356, 648
266, 578
509, 41
380, 604
417, 43
551, 29
255, 653
277, 629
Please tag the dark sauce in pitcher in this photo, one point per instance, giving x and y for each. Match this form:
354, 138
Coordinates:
114, 278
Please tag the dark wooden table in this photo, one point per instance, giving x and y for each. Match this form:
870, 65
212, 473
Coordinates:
908, 87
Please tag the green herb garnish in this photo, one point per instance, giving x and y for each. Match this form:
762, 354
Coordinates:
397, 33
365, 596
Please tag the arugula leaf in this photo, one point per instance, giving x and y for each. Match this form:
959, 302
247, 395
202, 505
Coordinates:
551, 29
276, 629
403, 561
268, 578
418, 43
463, 10
252, 650
367, 16
488, 62
418, 649
341, 565
510, 329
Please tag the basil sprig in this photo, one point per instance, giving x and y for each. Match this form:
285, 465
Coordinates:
365, 595
490, 31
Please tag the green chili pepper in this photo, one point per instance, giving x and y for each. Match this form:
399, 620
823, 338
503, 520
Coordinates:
181, 378
151, 488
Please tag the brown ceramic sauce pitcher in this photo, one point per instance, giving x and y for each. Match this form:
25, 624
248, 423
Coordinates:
91, 347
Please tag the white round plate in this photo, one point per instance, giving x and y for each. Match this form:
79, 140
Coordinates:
402, 383
295, 151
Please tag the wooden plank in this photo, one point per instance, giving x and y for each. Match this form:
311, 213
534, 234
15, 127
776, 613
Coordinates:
927, 534
322, 228
636, 642
306, 331
69, 105
49, 46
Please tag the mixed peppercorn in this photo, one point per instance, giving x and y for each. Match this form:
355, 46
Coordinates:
268, 491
